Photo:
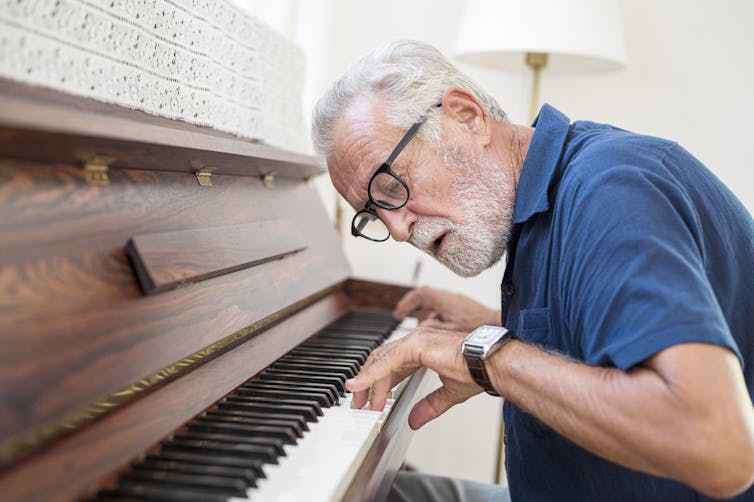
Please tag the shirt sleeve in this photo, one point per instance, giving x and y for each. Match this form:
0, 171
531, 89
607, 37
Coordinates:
632, 269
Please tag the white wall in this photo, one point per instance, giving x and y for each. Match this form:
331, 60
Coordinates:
690, 77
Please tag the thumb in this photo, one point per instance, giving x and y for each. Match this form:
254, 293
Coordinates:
433, 322
410, 302
432, 406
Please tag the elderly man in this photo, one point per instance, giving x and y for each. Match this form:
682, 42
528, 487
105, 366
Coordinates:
626, 359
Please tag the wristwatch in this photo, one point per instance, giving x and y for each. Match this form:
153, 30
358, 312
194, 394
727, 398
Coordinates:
478, 346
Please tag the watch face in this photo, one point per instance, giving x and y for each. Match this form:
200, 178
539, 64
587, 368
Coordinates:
487, 334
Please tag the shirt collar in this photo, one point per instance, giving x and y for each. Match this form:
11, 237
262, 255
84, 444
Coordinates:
540, 164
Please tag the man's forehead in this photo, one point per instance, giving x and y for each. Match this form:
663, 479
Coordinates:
363, 140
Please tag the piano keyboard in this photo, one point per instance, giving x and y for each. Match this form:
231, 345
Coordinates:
287, 434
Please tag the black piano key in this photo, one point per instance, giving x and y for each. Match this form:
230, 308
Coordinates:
360, 359
316, 360
313, 407
376, 316
371, 343
284, 409
164, 493
113, 495
345, 351
328, 389
364, 318
321, 398
339, 352
204, 424
344, 366
240, 450
337, 379
345, 343
329, 395
362, 327
327, 344
355, 333
116, 496
302, 366
247, 476
215, 485
298, 377
274, 443
379, 328
214, 459
230, 413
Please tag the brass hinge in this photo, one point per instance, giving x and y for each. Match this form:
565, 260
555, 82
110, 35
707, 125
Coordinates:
268, 179
204, 176
95, 170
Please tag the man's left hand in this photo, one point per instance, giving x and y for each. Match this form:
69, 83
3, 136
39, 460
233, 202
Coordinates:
389, 364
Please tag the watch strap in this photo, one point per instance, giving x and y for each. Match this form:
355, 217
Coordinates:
479, 374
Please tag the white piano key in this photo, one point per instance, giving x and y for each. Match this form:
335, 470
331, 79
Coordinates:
322, 464
406, 326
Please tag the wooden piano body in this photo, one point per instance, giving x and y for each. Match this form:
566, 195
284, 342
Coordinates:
101, 357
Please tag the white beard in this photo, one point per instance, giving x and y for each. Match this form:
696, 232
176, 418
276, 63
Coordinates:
486, 195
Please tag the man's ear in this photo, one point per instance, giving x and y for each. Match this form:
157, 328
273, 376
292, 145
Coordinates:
463, 109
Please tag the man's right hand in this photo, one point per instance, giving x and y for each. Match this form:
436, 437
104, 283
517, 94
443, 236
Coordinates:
444, 310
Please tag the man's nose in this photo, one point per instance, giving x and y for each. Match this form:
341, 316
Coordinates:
398, 222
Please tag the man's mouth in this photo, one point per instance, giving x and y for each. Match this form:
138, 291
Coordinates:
436, 246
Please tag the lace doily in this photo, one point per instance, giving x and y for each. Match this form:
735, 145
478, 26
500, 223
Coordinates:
206, 62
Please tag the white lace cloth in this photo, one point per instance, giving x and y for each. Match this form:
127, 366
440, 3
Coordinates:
206, 62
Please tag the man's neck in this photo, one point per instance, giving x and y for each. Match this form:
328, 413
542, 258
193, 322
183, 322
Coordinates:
513, 146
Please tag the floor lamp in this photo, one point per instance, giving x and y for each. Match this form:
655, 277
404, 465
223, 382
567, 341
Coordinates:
574, 36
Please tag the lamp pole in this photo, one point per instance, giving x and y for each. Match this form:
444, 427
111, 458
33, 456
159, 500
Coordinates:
536, 61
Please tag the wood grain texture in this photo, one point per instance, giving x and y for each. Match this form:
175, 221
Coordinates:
76, 465
372, 294
74, 326
167, 260
45, 125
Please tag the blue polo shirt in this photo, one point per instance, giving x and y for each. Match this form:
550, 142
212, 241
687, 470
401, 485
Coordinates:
622, 245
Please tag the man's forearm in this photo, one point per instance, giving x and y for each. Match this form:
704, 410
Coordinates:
634, 418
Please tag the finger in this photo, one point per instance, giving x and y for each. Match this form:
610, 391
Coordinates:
411, 302
381, 364
425, 315
359, 398
438, 324
379, 394
432, 406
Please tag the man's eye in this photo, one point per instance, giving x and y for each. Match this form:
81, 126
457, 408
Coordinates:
393, 188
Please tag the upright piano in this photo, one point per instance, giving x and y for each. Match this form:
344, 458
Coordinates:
176, 316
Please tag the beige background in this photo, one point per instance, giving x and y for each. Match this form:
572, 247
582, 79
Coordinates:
689, 78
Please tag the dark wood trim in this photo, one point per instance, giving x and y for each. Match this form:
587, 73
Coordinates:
45, 125
371, 294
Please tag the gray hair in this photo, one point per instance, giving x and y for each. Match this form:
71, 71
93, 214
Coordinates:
410, 77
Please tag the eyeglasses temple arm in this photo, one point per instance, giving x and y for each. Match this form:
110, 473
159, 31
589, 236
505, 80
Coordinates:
409, 135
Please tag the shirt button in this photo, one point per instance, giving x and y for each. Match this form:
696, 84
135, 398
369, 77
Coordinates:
509, 289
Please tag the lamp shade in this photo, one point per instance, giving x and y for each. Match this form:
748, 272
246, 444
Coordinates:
578, 35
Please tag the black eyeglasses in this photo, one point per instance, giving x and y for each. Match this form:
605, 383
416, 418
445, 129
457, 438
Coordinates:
386, 190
